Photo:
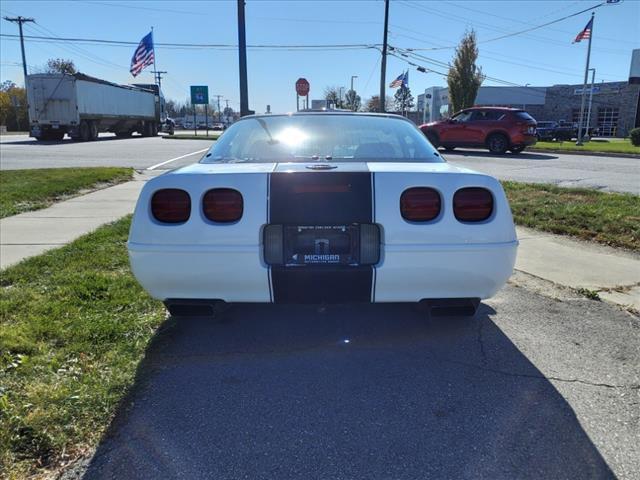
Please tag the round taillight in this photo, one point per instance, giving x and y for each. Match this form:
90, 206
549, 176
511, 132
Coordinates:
420, 204
223, 205
171, 205
473, 204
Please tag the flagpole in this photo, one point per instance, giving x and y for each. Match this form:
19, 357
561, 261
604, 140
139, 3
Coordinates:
584, 85
155, 75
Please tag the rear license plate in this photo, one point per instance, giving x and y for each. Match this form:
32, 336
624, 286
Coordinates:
321, 245
55, 127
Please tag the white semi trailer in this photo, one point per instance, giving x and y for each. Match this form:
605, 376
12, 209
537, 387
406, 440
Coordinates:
82, 106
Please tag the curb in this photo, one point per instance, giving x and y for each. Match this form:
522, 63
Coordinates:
578, 152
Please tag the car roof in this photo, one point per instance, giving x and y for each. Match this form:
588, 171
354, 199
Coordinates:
508, 109
327, 113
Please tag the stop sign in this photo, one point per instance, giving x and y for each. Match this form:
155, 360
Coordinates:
302, 87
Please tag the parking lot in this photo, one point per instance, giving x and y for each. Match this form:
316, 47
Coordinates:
608, 173
533, 387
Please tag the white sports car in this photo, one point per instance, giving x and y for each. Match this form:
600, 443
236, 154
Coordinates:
322, 208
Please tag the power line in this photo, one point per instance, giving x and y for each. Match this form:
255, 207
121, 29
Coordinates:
483, 54
494, 15
526, 90
345, 46
507, 34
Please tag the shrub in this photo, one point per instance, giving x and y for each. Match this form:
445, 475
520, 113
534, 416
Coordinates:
635, 136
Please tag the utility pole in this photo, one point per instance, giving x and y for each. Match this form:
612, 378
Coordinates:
353, 93
219, 112
584, 85
242, 60
20, 20
158, 74
383, 67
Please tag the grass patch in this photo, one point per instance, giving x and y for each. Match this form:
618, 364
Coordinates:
609, 218
191, 137
74, 324
26, 190
616, 145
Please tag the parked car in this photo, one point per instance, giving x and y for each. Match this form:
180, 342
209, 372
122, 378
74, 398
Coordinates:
322, 208
497, 128
546, 130
217, 126
566, 130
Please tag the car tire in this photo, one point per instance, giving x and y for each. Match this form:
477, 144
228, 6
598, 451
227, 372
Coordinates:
433, 139
516, 149
85, 131
124, 134
497, 143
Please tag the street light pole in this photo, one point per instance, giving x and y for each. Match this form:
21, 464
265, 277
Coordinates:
341, 88
593, 77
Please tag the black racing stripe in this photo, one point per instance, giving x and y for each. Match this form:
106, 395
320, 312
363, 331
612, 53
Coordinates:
321, 198
322, 284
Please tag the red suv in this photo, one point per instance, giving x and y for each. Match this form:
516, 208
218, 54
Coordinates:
497, 128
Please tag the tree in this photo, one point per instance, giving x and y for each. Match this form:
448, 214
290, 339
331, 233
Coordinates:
403, 100
171, 107
332, 96
465, 77
60, 65
13, 106
352, 101
373, 104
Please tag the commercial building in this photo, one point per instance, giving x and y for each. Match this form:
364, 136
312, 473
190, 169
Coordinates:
615, 107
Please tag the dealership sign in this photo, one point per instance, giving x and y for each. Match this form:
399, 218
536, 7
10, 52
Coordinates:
578, 91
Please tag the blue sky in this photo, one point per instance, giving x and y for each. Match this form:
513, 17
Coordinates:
542, 57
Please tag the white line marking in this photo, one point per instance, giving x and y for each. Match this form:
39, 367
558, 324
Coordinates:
177, 158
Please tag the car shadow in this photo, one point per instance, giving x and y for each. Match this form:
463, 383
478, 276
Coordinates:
370, 391
518, 156
67, 141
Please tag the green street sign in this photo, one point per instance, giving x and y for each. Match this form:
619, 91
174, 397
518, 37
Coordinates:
199, 94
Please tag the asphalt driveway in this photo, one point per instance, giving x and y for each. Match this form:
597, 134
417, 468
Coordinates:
534, 387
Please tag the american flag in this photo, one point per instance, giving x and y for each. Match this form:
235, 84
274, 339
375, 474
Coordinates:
143, 56
586, 33
401, 81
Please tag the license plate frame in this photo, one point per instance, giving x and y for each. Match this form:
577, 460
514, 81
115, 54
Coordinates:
317, 245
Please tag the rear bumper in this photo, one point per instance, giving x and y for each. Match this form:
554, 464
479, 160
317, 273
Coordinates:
406, 273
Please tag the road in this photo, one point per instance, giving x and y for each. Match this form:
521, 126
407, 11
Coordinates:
605, 173
17, 152
534, 387
616, 174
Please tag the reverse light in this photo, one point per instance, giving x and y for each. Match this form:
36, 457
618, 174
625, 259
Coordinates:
472, 204
223, 205
171, 205
420, 204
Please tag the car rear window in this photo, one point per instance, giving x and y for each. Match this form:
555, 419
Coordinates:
326, 137
524, 116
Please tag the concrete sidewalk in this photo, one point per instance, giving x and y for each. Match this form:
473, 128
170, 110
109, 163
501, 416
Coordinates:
32, 233
613, 273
